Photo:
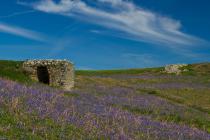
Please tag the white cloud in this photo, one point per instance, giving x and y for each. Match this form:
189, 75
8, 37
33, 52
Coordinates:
50, 6
126, 17
18, 31
112, 1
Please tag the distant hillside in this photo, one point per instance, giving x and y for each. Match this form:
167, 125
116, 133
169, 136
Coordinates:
13, 70
200, 69
117, 72
193, 69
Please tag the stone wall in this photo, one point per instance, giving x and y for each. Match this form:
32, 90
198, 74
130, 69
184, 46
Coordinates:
57, 73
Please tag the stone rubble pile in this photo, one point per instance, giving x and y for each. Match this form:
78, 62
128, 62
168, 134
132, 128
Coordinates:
176, 68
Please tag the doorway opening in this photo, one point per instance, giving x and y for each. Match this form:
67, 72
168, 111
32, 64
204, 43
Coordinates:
43, 75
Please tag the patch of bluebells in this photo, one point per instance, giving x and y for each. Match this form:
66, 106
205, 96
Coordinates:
96, 115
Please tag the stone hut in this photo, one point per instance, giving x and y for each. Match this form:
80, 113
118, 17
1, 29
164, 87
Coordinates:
57, 73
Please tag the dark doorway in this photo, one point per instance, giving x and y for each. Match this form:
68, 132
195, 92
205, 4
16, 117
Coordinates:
43, 75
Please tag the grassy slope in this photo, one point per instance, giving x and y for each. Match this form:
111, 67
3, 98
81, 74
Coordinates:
196, 99
194, 69
117, 72
13, 70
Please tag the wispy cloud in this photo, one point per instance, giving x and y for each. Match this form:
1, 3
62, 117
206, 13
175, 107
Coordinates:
95, 31
22, 32
17, 14
125, 17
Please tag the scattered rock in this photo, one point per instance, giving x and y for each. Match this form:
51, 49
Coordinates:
176, 68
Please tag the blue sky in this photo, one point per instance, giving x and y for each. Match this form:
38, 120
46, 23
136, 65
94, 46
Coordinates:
106, 34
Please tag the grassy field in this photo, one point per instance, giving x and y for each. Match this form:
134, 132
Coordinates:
110, 104
12, 70
118, 72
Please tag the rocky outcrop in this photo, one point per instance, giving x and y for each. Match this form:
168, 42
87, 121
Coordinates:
176, 68
57, 73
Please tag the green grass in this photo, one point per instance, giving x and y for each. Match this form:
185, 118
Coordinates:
195, 98
197, 69
191, 118
13, 70
67, 94
117, 72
